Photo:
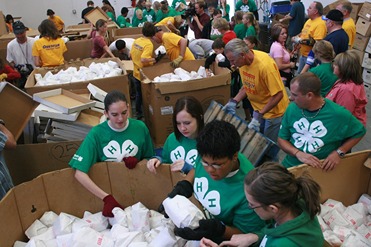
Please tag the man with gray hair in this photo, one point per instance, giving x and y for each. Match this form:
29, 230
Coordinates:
262, 85
348, 24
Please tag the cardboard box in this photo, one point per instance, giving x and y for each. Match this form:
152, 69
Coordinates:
96, 92
363, 27
127, 31
59, 191
331, 6
48, 112
360, 55
276, 19
365, 11
120, 83
3, 29
97, 13
355, 10
160, 98
368, 90
78, 49
28, 161
366, 75
16, 108
360, 42
366, 62
63, 100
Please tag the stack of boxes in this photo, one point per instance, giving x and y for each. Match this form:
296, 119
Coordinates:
362, 44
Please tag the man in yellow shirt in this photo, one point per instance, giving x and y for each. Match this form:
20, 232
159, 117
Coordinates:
314, 28
348, 23
142, 55
175, 45
172, 22
262, 84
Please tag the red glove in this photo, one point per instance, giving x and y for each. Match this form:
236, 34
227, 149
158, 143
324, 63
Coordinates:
130, 162
109, 204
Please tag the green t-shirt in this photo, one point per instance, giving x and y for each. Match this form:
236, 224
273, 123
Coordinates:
318, 135
161, 15
104, 144
173, 5
150, 15
184, 149
250, 31
111, 15
249, 7
121, 21
240, 29
225, 199
299, 232
139, 23
227, 9
326, 75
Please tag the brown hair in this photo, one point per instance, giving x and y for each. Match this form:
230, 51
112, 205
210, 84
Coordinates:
349, 67
308, 82
276, 31
324, 50
271, 183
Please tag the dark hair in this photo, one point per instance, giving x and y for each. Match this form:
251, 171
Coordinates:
50, 12
308, 82
216, 12
113, 97
139, 4
149, 29
319, 7
191, 105
276, 31
48, 29
100, 23
253, 39
218, 44
349, 67
120, 44
124, 10
9, 18
272, 183
218, 139
90, 3
108, 3
201, 4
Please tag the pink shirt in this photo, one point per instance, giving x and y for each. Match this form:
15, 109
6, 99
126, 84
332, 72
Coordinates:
352, 97
98, 44
278, 51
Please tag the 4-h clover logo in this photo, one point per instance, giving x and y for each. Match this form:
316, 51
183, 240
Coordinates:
308, 135
114, 152
179, 153
210, 200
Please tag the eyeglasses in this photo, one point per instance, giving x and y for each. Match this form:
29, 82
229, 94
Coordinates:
216, 167
252, 208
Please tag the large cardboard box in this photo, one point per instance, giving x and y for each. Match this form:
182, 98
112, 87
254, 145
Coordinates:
59, 191
107, 84
365, 11
360, 55
360, 42
160, 98
127, 31
363, 27
368, 90
16, 108
355, 10
78, 49
366, 75
366, 62
331, 6
28, 161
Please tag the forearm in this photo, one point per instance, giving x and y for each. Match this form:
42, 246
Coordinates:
199, 25
86, 181
183, 46
37, 61
240, 95
147, 61
287, 147
230, 231
272, 102
349, 144
10, 143
108, 51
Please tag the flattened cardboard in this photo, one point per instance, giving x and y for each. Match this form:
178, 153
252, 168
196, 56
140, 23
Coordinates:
96, 92
48, 112
89, 117
16, 108
160, 98
28, 161
63, 100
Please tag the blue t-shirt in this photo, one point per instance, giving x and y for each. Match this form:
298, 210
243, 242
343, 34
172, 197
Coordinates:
297, 13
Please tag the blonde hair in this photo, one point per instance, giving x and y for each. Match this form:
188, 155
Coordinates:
221, 24
324, 50
251, 18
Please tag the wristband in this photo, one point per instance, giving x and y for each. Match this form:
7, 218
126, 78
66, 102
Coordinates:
297, 151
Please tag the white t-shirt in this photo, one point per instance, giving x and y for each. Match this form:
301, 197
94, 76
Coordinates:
129, 43
20, 53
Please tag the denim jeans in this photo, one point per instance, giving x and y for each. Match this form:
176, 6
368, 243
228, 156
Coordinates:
302, 61
272, 127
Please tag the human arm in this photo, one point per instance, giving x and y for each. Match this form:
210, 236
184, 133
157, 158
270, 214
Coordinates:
37, 61
153, 163
107, 51
10, 143
198, 23
305, 158
173, 28
183, 46
89, 184
272, 102
205, 242
240, 240
90, 32
283, 66
286, 17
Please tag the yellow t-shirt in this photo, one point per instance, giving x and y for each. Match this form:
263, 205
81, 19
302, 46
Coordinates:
58, 22
350, 28
315, 28
141, 48
262, 80
170, 42
165, 21
50, 51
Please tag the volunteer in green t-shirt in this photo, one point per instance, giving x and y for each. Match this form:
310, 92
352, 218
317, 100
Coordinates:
217, 183
117, 139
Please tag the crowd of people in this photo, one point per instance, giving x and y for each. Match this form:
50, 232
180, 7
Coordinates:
325, 119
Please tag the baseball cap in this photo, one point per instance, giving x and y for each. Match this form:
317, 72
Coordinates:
19, 27
334, 15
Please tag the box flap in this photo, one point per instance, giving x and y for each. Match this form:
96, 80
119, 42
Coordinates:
346, 183
95, 14
16, 108
97, 93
